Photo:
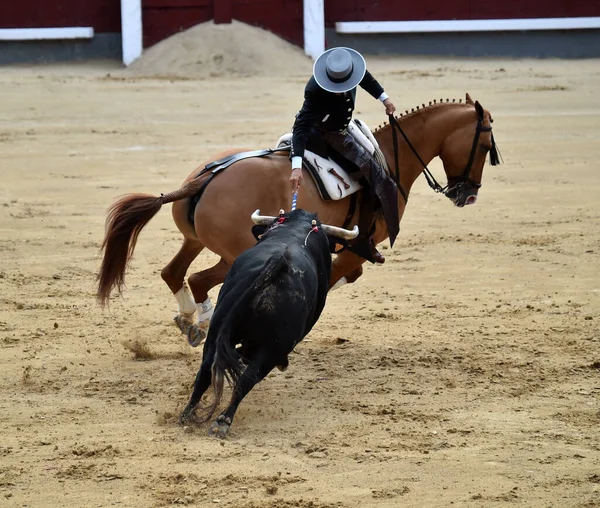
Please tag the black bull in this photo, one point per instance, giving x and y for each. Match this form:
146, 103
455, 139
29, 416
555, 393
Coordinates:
271, 298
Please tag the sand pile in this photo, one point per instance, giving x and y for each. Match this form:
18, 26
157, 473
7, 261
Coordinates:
221, 50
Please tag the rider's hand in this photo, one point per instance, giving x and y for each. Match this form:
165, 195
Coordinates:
296, 179
389, 106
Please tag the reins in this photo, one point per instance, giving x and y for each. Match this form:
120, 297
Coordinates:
428, 176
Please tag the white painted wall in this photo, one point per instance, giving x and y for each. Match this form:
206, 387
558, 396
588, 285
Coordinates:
35, 34
314, 27
466, 25
131, 29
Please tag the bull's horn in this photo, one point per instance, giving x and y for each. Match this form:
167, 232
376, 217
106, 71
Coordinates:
346, 234
262, 220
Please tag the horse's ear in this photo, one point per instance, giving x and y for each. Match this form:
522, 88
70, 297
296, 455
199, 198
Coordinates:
468, 100
479, 110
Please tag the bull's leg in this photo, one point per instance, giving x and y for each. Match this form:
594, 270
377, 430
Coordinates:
174, 274
200, 284
256, 371
346, 268
202, 383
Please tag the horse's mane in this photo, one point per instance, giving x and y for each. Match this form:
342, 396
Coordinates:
419, 109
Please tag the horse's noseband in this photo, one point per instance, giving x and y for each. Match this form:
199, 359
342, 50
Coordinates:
463, 179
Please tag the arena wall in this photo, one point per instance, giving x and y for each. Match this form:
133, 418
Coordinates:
162, 18
104, 16
576, 43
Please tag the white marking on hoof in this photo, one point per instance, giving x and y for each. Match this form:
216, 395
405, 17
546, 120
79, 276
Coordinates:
198, 332
339, 284
204, 325
185, 301
205, 311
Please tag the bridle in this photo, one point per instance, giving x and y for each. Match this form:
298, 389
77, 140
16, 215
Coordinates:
433, 183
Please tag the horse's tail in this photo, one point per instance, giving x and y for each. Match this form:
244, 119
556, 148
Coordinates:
125, 220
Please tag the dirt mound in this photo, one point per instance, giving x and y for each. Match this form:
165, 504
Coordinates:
220, 50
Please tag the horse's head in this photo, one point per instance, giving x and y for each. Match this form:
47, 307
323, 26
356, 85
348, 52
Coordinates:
464, 152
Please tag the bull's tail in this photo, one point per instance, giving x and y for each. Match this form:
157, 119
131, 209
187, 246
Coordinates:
125, 220
228, 361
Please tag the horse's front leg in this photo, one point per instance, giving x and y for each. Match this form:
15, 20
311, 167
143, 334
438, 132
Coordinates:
346, 268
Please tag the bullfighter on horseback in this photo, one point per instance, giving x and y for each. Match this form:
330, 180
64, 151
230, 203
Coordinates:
322, 123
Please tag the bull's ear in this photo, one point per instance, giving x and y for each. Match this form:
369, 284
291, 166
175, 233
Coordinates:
479, 110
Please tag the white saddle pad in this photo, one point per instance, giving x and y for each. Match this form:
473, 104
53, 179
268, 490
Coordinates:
333, 181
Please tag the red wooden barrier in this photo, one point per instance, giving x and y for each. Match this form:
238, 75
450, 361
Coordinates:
102, 15
223, 11
162, 18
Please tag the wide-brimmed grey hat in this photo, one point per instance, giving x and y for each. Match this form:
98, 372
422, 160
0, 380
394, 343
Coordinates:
339, 69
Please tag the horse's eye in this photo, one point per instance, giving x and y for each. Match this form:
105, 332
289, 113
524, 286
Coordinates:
486, 149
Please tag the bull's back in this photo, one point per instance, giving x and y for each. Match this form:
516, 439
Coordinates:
270, 294
280, 314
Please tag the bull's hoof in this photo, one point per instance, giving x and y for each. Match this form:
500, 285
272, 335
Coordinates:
220, 427
187, 416
197, 333
283, 365
184, 322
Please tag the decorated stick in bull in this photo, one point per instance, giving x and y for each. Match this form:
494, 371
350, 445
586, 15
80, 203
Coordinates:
294, 200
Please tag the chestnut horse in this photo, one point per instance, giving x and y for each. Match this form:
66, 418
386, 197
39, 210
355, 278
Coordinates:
459, 133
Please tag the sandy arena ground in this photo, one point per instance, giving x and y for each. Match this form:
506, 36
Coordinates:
463, 372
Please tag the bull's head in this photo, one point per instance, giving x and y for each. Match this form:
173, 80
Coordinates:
267, 220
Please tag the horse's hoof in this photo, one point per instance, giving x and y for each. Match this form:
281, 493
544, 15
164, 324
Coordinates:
183, 322
195, 336
197, 333
220, 427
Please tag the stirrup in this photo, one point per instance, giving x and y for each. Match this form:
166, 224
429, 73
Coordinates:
377, 256
366, 249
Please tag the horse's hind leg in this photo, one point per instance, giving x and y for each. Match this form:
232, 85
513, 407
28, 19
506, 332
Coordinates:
174, 275
201, 283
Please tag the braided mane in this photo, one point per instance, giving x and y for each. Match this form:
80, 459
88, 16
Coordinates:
432, 104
